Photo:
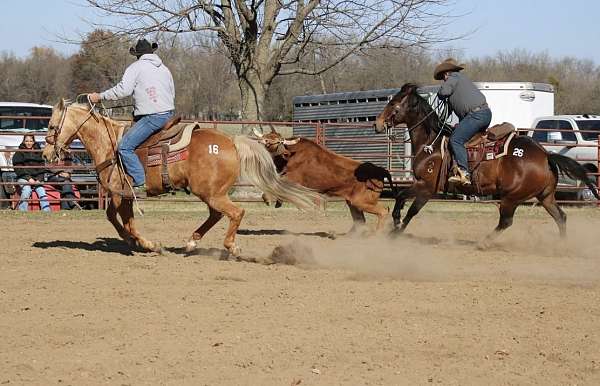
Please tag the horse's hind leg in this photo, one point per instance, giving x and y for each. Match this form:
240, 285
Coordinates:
213, 218
224, 205
560, 217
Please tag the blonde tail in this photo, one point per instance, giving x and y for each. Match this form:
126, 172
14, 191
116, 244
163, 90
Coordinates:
258, 168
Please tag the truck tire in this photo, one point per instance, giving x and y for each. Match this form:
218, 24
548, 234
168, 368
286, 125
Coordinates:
585, 195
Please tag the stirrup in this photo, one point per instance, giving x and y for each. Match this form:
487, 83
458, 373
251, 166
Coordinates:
460, 177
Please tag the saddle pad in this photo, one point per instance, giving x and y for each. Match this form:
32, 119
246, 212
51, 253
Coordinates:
156, 159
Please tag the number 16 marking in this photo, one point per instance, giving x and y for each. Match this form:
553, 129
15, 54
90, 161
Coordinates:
213, 149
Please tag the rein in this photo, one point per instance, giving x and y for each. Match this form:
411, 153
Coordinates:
441, 121
62, 148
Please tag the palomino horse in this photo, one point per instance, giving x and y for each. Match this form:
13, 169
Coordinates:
207, 172
306, 163
526, 171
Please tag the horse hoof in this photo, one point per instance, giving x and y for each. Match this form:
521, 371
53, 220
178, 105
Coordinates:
483, 245
235, 251
190, 246
158, 248
396, 232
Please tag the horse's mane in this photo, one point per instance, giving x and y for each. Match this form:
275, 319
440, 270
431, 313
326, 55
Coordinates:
420, 104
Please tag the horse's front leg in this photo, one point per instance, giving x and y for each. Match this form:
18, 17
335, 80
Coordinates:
401, 200
111, 214
125, 210
419, 190
416, 206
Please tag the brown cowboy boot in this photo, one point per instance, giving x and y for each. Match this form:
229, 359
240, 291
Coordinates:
461, 177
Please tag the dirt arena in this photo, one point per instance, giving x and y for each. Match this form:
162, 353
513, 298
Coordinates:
76, 308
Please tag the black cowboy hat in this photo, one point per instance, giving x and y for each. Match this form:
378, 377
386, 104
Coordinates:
142, 47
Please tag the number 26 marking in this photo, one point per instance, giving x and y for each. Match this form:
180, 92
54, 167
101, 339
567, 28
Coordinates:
213, 149
518, 152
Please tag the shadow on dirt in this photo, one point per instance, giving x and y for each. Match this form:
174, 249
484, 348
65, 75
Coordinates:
103, 244
432, 240
271, 232
219, 253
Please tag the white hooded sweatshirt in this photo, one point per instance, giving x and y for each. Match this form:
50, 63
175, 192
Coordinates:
151, 84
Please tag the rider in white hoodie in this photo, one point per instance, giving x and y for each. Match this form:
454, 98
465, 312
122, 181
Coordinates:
151, 84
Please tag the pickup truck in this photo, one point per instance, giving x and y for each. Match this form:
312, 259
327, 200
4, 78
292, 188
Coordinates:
576, 136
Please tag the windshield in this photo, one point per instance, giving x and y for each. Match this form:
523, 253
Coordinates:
16, 124
589, 125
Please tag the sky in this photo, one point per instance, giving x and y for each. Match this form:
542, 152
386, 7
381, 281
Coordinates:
558, 27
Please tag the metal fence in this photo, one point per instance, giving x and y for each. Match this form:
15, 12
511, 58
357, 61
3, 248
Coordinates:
355, 140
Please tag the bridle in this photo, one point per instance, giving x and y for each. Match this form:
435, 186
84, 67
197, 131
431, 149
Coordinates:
60, 148
441, 121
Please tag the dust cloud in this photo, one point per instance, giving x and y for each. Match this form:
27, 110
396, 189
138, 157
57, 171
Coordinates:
445, 251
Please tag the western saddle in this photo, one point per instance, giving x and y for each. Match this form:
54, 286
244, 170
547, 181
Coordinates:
166, 146
490, 145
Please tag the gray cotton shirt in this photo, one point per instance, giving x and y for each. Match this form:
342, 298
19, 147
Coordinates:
462, 94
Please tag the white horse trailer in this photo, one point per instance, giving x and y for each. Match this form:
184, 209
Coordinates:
519, 103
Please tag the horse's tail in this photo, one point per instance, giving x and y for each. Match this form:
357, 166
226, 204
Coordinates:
258, 168
572, 169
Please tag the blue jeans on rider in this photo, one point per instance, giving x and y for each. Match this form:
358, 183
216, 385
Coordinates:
465, 130
135, 136
26, 191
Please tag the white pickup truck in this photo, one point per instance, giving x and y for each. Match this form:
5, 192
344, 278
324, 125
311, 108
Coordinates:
576, 137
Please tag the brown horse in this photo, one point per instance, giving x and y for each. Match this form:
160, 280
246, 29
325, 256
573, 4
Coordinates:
306, 163
527, 171
213, 165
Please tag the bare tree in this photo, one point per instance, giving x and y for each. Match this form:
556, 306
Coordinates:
100, 61
267, 38
41, 77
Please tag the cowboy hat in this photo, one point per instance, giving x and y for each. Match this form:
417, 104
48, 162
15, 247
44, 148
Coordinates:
447, 65
142, 47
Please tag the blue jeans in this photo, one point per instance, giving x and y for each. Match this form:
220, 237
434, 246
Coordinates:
26, 195
464, 131
135, 136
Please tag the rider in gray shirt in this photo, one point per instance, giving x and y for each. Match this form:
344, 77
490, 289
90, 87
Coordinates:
469, 104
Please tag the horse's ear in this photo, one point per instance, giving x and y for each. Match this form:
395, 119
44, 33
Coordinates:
61, 104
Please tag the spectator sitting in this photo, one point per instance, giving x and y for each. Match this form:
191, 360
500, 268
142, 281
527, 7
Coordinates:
66, 190
30, 178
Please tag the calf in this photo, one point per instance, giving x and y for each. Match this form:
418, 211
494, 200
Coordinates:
305, 162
